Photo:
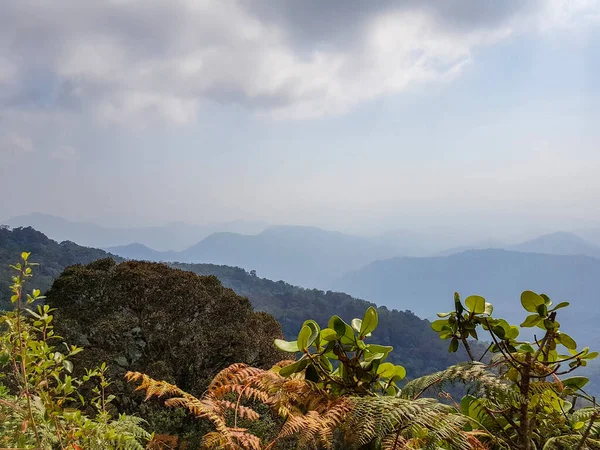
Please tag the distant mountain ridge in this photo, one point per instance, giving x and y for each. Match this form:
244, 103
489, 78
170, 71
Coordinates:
557, 243
426, 285
172, 236
416, 346
307, 256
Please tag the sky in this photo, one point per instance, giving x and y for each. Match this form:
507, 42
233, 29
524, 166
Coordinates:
357, 116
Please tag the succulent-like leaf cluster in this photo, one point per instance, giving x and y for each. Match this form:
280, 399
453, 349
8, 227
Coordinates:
339, 358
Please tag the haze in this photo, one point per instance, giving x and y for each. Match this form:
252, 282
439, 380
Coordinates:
357, 116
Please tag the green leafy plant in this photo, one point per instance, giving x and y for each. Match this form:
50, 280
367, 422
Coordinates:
340, 392
40, 402
522, 398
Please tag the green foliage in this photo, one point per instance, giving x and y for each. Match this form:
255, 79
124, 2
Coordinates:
519, 396
415, 346
339, 393
40, 400
52, 257
168, 323
360, 367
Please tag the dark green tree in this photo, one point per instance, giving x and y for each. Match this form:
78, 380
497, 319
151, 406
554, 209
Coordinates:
169, 323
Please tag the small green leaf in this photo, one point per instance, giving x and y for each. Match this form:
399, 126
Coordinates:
567, 341
327, 334
575, 382
489, 308
438, 325
68, 365
356, 324
560, 305
25, 255
290, 369
303, 337
453, 345
369, 322
475, 304
386, 370
542, 310
290, 347
531, 321
530, 301
578, 425
399, 373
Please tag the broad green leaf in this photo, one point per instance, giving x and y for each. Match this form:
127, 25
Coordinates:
314, 331
303, 337
68, 365
531, 321
542, 310
338, 325
369, 322
298, 366
512, 332
560, 305
438, 325
475, 304
374, 348
399, 373
547, 300
567, 341
578, 425
591, 355
527, 348
530, 301
453, 345
489, 308
374, 356
290, 347
575, 382
386, 370
444, 314
327, 334
356, 324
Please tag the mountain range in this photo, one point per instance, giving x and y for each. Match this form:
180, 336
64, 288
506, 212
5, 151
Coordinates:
306, 256
172, 236
426, 285
422, 286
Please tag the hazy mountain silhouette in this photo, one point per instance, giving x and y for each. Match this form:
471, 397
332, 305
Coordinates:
426, 285
560, 243
307, 256
172, 236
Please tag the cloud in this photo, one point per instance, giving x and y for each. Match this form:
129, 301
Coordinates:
133, 61
13, 144
64, 153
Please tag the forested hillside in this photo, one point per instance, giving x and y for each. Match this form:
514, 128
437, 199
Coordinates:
415, 345
414, 342
51, 256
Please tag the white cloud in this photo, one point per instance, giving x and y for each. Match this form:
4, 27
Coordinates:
139, 62
13, 144
64, 153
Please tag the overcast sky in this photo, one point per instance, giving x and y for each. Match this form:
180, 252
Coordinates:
352, 115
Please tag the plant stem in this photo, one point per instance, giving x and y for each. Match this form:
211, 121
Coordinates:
23, 362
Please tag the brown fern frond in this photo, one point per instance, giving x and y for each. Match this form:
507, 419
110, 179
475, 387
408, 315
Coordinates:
153, 388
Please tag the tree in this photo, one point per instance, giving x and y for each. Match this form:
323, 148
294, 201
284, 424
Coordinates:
521, 398
169, 323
